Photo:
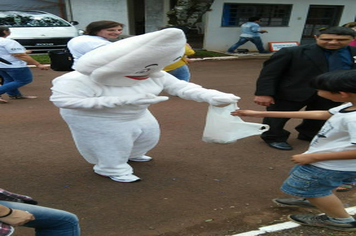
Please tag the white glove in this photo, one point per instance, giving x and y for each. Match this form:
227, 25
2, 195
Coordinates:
224, 99
149, 99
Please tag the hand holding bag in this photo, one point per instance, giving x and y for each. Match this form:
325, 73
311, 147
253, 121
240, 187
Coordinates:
222, 127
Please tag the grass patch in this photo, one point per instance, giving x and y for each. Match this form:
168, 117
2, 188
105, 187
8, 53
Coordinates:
41, 58
204, 53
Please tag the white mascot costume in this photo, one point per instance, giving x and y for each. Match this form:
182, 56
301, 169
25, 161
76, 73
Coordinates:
105, 101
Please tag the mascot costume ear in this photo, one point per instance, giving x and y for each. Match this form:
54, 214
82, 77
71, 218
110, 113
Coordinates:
127, 61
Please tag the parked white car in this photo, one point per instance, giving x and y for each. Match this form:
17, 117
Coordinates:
38, 30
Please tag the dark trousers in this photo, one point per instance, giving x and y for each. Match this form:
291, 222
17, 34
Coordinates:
307, 129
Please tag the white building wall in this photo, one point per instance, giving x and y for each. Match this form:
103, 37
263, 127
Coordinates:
93, 10
154, 15
219, 38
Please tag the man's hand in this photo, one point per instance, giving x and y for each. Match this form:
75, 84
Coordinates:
264, 100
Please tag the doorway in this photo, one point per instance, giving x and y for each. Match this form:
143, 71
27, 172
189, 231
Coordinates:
320, 16
136, 16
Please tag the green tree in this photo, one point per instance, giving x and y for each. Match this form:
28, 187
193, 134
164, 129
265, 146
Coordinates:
188, 12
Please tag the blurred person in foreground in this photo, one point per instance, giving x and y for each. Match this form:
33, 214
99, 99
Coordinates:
21, 210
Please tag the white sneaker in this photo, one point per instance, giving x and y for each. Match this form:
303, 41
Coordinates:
141, 158
123, 178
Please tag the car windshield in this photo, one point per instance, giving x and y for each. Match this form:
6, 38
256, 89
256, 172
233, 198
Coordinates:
30, 19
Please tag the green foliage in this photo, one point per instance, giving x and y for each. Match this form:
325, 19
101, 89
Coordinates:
188, 12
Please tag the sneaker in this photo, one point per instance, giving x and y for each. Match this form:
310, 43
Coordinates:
345, 187
123, 178
141, 158
3, 100
19, 96
322, 221
293, 202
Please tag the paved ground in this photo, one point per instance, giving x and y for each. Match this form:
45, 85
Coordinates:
190, 188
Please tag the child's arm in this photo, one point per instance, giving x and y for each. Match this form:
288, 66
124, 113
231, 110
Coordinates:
308, 158
314, 115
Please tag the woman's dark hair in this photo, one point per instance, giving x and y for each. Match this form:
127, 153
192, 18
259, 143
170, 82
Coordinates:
254, 18
338, 30
2, 29
336, 81
94, 27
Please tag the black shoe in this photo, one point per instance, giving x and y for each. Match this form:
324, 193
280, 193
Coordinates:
280, 146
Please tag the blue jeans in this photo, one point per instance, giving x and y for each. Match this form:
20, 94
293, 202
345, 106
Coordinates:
14, 78
181, 73
309, 181
48, 221
255, 40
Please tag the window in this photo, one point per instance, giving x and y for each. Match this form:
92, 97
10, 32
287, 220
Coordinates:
235, 14
31, 19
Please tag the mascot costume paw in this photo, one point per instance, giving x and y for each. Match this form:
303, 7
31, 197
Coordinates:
105, 101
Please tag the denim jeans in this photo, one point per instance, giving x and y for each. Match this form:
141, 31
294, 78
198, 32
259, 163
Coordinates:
255, 40
48, 221
14, 78
181, 73
312, 181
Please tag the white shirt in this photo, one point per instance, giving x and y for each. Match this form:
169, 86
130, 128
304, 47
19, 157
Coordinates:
81, 45
250, 30
338, 134
8, 47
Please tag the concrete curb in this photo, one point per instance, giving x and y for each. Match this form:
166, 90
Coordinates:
235, 57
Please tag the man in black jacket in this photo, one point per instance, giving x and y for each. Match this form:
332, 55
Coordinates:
283, 84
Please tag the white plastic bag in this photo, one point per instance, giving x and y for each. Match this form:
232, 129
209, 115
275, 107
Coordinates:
222, 127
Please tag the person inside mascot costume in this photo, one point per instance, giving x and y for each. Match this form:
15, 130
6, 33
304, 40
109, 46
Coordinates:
105, 101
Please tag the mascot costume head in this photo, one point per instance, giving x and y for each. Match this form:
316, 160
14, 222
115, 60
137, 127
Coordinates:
125, 62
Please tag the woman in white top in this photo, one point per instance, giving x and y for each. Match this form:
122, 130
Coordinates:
13, 66
97, 34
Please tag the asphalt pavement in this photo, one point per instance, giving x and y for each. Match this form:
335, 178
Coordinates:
191, 188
